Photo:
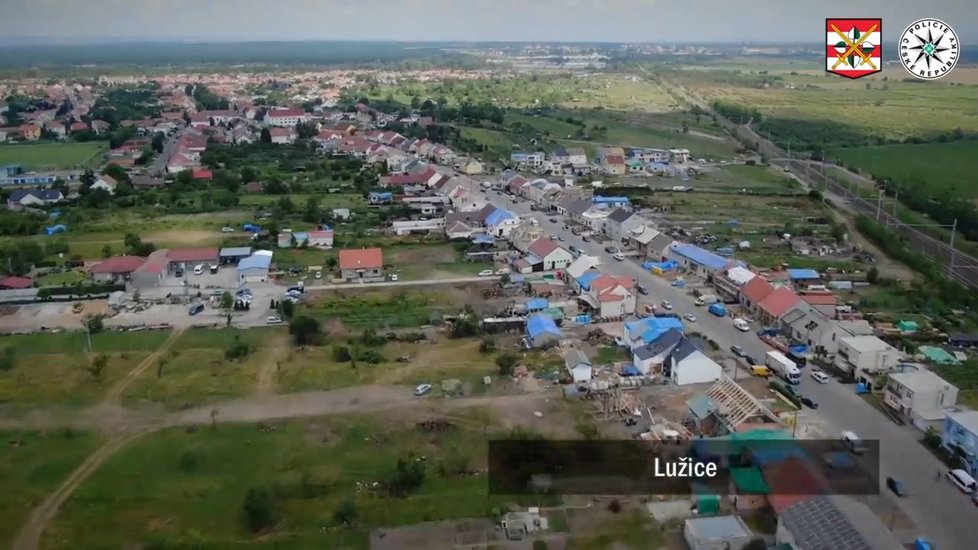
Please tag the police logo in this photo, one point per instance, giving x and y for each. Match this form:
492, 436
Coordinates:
929, 49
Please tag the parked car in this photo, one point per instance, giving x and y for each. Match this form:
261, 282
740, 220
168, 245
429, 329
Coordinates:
560, 237
738, 351
553, 220
642, 289
178, 273
227, 229
486, 273
585, 238
393, 277
820, 377
610, 249
273, 320
690, 317
502, 271
618, 256
196, 308
666, 305
422, 389
199, 269
963, 481
808, 402
213, 269
319, 274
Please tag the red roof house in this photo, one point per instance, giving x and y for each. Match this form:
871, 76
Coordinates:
117, 267
754, 291
364, 258
778, 302
203, 174
791, 481
16, 282
192, 255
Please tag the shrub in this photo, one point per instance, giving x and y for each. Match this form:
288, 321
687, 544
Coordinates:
259, 509
345, 513
506, 363
407, 477
488, 345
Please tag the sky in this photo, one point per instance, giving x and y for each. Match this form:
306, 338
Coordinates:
657, 21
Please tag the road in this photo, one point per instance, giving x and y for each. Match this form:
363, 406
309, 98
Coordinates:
422, 282
158, 168
944, 515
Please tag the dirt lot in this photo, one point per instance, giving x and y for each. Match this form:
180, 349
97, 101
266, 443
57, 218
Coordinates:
53, 315
184, 237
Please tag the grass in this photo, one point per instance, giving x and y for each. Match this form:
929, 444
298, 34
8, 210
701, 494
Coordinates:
200, 478
633, 530
196, 370
32, 465
65, 278
943, 168
74, 342
381, 310
609, 354
52, 156
61, 380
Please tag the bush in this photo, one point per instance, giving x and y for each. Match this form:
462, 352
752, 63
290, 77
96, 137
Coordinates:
238, 350
305, 330
341, 354
506, 363
345, 513
488, 345
259, 509
408, 476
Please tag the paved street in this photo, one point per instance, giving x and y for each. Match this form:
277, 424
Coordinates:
944, 515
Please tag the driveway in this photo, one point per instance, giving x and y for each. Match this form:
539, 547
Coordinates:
943, 514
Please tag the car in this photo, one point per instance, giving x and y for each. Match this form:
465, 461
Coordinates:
299, 289
666, 305
610, 249
585, 238
227, 229
808, 402
963, 481
213, 269
273, 320
486, 273
738, 351
319, 274
642, 289
502, 271
422, 389
820, 377
750, 360
560, 237
195, 309
394, 277
199, 269
178, 273
553, 220
618, 256
690, 317
242, 292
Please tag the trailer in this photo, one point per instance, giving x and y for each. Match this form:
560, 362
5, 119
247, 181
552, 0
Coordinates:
718, 309
783, 367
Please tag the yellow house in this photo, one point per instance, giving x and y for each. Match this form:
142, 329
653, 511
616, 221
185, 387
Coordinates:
471, 167
30, 132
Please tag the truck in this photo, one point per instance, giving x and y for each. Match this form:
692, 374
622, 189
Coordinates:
783, 367
718, 309
706, 300
741, 325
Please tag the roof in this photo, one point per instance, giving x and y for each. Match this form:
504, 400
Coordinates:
662, 344
587, 278
921, 381
364, 258
280, 132
581, 265
820, 299
749, 481
757, 289
651, 329
791, 481
543, 247
837, 522
108, 180
498, 216
235, 251
966, 419
619, 215
282, 113
684, 350
534, 304
255, 261
16, 282
574, 357
803, 274
699, 256
539, 324
18, 195
778, 302
701, 405
117, 264
717, 529
866, 344
740, 275
193, 254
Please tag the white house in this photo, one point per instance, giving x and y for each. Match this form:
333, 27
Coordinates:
551, 254
578, 365
106, 183
866, 357
406, 227
689, 365
282, 136
920, 396
652, 356
254, 268
611, 296
620, 223
285, 117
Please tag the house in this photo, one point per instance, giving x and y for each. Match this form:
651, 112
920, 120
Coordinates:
701, 262
716, 533
825, 302
920, 396
552, 255
865, 357
147, 182
645, 331
579, 267
679, 156
776, 304
470, 167
650, 358
689, 365
836, 522
21, 198
808, 325
57, 128
341, 214
152, 272
647, 156
319, 238
115, 269
541, 331
188, 258
202, 174
234, 254
16, 283
614, 165
527, 161
30, 132
285, 117
959, 435
620, 223
753, 292
611, 297
282, 136
728, 283
501, 222
406, 227
255, 268
106, 183
363, 265
578, 365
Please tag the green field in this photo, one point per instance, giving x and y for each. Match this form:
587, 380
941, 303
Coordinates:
187, 488
944, 168
32, 464
74, 342
53, 156
382, 310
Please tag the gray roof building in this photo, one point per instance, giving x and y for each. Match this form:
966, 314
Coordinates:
837, 522
662, 344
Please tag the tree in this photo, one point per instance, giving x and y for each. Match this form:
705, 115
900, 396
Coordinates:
506, 363
7, 359
488, 345
345, 513
685, 127
227, 304
248, 174
134, 245
94, 323
106, 251
341, 354
305, 330
287, 309
266, 135
312, 212
408, 476
158, 141
97, 365
259, 509
873, 275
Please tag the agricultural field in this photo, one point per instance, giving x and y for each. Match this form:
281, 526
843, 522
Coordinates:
33, 464
53, 156
55, 369
384, 310
302, 470
430, 262
198, 369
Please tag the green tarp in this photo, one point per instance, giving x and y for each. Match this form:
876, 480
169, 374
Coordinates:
749, 481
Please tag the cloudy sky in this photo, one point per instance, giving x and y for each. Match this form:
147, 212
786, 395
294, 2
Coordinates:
476, 20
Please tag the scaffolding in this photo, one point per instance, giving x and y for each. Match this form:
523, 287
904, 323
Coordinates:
734, 405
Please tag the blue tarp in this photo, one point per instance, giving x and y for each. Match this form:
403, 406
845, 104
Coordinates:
630, 370
482, 238
535, 304
798, 349
922, 544
611, 200
587, 278
541, 324
497, 217
59, 228
651, 328
699, 256
802, 274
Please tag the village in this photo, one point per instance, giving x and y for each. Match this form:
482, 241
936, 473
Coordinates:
646, 321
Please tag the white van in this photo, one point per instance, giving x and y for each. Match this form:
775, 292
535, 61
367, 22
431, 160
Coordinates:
199, 269
963, 480
855, 444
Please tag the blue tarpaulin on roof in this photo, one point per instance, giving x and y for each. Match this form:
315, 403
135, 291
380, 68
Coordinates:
535, 304
587, 278
699, 256
59, 228
799, 349
540, 324
802, 274
482, 238
630, 370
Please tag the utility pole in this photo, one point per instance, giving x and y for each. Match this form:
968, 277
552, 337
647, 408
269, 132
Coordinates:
950, 265
879, 202
896, 197
88, 335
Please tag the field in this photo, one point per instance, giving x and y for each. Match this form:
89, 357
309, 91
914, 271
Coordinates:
32, 465
52, 156
382, 310
196, 370
945, 168
307, 467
